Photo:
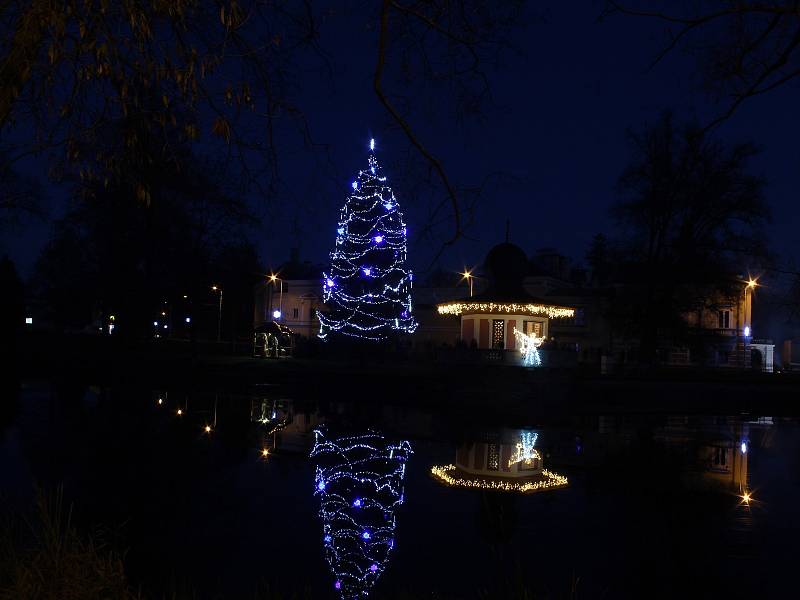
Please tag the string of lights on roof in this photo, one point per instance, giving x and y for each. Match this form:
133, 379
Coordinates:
459, 308
448, 475
367, 289
359, 481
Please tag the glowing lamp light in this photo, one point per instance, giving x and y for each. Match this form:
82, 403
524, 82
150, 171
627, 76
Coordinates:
28, 320
155, 323
357, 502
743, 447
367, 272
179, 412
329, 283
321, 486
747, 331
207, 428
160, 401
373, 567
388, 206
355, 185
188, 319
746, 497
366, 535
276, 314
166, 326
378, 239
340, 231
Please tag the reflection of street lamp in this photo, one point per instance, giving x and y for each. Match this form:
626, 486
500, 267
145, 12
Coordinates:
219, 318
277, 314
468, 276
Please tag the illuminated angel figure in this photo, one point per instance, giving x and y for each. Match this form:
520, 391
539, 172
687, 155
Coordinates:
529, 348
359, 482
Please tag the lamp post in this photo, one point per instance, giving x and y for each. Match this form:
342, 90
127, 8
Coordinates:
468, 276
746, 329
216, 288
273, 278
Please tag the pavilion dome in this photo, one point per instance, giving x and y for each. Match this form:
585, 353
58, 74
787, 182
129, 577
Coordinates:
506, 266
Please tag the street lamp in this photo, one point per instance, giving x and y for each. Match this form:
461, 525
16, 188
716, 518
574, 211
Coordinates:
468, 276
277, 314
216, 288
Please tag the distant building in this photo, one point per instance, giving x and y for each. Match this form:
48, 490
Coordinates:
291, 297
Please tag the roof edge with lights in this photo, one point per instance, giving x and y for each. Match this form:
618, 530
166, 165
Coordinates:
459, 307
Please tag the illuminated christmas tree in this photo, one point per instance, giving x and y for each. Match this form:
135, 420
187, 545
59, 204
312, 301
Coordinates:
359, 481
367, 290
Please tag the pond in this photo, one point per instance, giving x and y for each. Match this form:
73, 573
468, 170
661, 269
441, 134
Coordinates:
256, 494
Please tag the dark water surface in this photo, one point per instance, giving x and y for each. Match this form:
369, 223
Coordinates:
653, 506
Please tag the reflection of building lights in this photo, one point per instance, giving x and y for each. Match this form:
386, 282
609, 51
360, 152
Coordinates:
447, 475
525, 449
457, 308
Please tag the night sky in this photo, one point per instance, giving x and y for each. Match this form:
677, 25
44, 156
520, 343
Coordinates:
550, 147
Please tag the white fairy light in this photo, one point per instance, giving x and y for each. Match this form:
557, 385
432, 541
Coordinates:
448, 475
529, 348
458, 308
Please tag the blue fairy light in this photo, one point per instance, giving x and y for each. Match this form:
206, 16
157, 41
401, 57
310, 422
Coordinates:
353, 309
330, 283
364, 471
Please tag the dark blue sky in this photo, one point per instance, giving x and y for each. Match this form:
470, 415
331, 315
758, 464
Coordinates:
555, 131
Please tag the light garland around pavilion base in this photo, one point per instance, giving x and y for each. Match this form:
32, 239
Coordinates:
458, 308
447, 475
529, 348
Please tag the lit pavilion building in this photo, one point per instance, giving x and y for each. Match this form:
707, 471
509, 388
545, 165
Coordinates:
489, 319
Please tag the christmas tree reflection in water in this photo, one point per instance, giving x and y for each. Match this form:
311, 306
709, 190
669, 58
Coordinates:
359, 481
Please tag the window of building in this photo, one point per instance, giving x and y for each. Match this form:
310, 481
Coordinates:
498, 334
493, 457
719, 456
295, 313
533, 327
724, 319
